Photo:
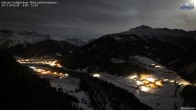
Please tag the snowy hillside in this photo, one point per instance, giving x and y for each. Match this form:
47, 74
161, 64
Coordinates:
165, 97
173, 48
76, 42
31, 44
23, 38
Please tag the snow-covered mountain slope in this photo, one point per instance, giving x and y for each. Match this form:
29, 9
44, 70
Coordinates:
46, 48
31, 44
23, 38
70, 86
168, 95
172, 48
76, 42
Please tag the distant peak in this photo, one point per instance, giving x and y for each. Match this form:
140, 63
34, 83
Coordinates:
140, 30
144, 27
155, 32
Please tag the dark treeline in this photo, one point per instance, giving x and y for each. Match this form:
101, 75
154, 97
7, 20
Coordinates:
189, 95
103, 94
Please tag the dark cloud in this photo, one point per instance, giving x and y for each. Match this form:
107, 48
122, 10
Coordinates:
92, 18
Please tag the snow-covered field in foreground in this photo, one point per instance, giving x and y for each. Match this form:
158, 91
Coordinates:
69, 85
161, 98
164, 95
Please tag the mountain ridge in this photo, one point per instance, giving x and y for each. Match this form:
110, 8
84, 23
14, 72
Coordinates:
165, 47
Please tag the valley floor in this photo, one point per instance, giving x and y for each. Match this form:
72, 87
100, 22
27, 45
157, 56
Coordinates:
165, 97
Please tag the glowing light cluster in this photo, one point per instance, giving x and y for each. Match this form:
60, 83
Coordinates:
144, 88
53, 63
185, 83
165, 80
47, 72
171, 81
96, 75
139, 83
179, 82
145, 80
158, 83
156, 66
133, 76
150, 79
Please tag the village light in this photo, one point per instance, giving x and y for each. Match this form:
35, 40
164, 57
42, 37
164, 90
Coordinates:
145, 89
145, 82
143, 77
132, 76
150, 79
55, 73
139, 82
66, 75
27, 60
158, 83
96, 75
185, 83
165, 80
32, 67
53, 63
157, 66
171, 81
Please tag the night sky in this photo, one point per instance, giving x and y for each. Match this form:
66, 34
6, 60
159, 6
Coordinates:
92, 18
